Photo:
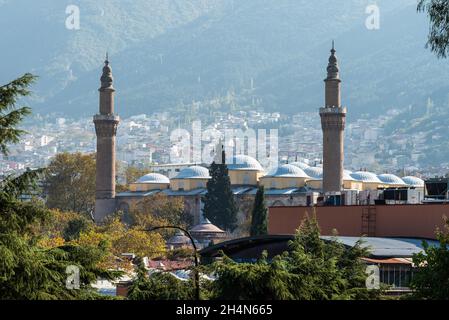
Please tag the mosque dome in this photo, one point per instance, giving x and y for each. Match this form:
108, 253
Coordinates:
314, 172
365, 176
347, 175
179, 239
287, 171
195, 172
413, 181
243, 162
153, 178
300, 165
391, 179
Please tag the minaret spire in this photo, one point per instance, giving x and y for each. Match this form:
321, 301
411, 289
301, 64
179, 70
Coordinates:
106, 123
333, 119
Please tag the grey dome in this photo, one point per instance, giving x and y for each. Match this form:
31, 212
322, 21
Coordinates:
413, 181
243, 162
347, 175
287, 171
391, 179
195, 172
153, 178
365, 176
314, 172
300, 165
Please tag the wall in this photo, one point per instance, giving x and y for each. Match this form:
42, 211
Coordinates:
417, 221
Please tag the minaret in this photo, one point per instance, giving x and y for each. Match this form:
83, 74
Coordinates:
333, 118
106, 123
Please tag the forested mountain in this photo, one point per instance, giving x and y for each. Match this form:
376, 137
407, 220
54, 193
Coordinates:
164, 52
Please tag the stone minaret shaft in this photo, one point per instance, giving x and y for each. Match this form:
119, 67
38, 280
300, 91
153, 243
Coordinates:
333, 118
106, 123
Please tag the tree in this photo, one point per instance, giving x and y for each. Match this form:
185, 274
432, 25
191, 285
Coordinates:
259, 214
159, 286
27, 270
75, 227
219, 203
159, 210
10, 116
313, 269
431, 279
70, 182
438, 11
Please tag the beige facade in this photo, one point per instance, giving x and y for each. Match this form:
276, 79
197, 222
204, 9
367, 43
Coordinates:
245, 177
187, 184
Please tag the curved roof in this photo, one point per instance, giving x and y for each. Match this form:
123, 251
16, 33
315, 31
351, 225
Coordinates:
286, 171
195, 172
391, 179
413, 181
206, 227
347, 175
365, 176
151, 178
314, 172
243, 162
300, 165
179, 239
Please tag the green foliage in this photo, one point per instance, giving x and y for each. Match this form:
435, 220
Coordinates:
431, 279
438, 11
75, 227
219, 204
10, 116
259, 214
313, 270
159, 286
70, 182
29, 271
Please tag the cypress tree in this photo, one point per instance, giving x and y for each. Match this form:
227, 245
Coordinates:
219, 203
259, 214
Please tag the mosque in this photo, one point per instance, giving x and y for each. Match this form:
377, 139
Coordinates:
291, 185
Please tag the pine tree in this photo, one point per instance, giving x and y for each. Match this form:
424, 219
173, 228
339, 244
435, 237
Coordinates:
219, 203
28, 271
259, 215
10, 116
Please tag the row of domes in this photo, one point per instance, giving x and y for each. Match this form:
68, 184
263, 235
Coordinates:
293, 170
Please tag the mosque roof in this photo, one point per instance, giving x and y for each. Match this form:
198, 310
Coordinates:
347, 175
391, 179
300, 165
314, 172
365, 176
151, 178
206, 227
413, 181
243, 162
194, 172
286, 171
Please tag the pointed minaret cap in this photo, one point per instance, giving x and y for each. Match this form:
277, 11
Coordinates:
106, 78
332, 68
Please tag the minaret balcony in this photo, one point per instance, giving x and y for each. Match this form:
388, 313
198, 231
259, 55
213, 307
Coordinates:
106, 117
333, 110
